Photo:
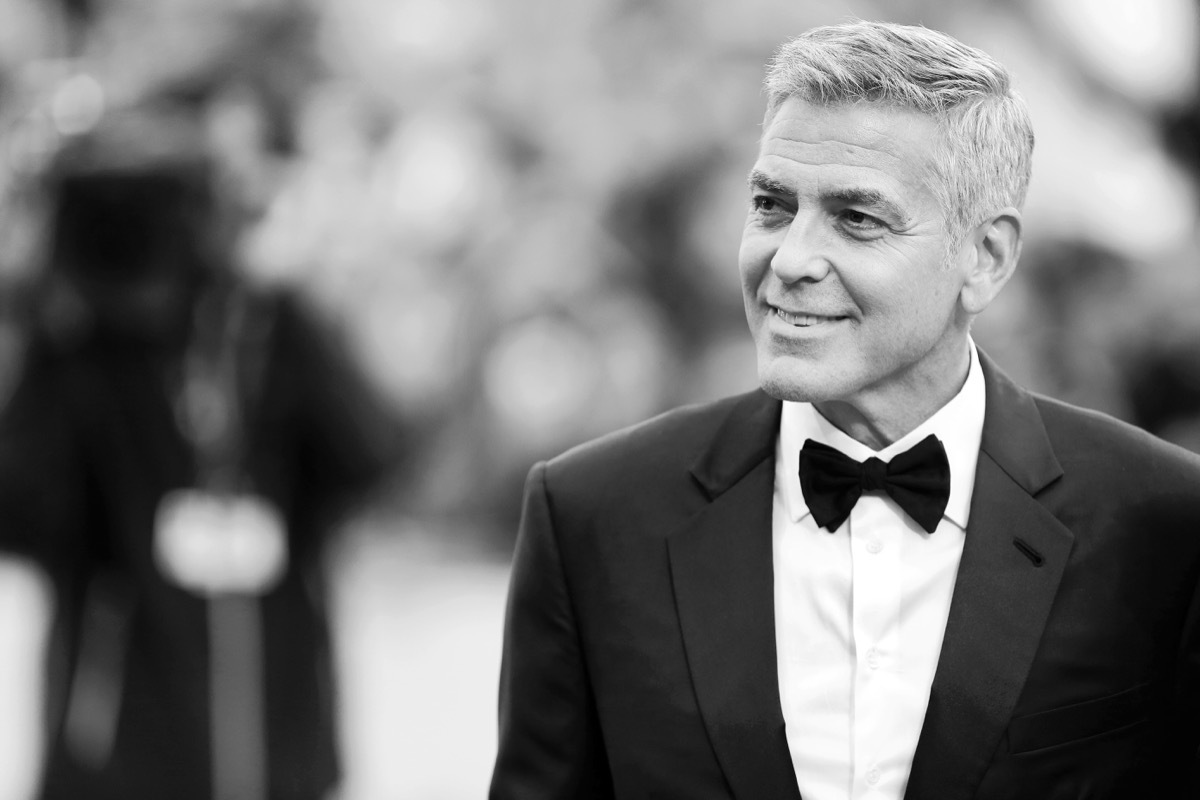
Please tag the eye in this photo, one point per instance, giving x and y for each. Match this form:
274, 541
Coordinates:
768, 209
860, 225
858, 219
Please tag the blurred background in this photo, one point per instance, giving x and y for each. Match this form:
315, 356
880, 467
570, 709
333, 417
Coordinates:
521, 220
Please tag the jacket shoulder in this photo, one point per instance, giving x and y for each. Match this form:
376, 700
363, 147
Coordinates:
677, 435
1090, 440
655, 453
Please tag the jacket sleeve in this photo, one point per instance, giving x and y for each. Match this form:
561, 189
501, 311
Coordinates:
550, 744
47, 495
1186, 738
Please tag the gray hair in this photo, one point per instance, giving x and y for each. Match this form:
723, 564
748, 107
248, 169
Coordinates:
983, 162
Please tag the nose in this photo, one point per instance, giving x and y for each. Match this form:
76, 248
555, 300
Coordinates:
802, 255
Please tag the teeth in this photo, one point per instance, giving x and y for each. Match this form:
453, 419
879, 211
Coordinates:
801, 320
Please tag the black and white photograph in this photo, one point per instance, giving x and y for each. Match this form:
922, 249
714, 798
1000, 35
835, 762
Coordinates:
599, 400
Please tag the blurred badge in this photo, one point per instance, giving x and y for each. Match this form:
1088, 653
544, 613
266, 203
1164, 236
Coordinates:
220, 544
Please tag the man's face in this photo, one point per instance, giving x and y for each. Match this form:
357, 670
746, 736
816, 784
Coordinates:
844, 259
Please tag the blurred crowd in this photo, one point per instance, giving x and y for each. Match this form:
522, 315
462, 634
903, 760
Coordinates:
519, 221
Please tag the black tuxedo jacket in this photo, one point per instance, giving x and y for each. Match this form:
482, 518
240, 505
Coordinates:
639, 652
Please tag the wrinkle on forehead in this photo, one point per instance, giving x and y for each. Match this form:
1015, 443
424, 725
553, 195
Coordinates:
776, 143
879, 132
854, 150
846, 144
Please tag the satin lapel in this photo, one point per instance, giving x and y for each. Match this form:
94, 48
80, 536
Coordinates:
1002, 598
721, 568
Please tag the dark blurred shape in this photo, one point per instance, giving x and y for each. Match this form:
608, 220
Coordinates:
1164, 383
133, 227
1078, 287
651, 218
82, 10
159, 384
1181, 133
91, 215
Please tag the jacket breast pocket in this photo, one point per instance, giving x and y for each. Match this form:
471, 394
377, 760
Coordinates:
1077, 722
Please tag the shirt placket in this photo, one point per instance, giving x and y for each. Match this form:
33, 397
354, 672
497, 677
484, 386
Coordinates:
877, 589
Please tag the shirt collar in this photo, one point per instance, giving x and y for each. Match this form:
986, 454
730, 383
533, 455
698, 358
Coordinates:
958, 424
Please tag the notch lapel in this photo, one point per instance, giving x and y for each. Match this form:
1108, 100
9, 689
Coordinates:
722, 575
1001, 599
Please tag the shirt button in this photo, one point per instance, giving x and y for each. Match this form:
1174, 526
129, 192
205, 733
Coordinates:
873, 658
873, 776
874, 546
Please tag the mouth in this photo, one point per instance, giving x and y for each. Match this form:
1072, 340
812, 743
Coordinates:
803, 320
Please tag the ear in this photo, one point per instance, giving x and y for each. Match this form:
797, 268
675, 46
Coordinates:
996, 246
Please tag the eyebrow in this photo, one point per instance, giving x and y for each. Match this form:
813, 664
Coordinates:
867, 198
760, 180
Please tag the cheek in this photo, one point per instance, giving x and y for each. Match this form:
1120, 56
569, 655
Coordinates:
753, 262
914, 313
899, 290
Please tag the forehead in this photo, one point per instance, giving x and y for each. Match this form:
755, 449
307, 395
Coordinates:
861, 145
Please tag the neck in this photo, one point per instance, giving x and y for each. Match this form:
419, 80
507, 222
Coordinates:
879, 418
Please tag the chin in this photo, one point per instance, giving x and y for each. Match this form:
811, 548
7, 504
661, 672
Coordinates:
796, 383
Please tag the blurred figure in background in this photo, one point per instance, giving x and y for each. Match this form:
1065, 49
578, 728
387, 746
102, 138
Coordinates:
177, 448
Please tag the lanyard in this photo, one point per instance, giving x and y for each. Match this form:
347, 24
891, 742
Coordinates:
222, 369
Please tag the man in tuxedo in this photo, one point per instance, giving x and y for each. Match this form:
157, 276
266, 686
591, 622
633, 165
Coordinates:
891, 572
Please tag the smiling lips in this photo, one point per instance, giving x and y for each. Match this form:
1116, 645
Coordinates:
804, 320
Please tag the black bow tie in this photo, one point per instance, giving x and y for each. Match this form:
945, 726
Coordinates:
918, 480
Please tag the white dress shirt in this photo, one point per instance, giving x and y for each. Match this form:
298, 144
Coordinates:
860, 613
